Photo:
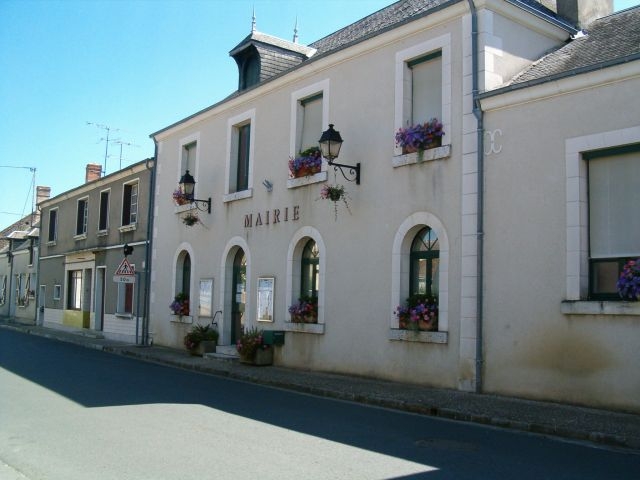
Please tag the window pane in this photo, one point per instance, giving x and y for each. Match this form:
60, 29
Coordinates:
104, 211
427, 90
614, 196
311, 123
604, 276
53, 219
242, 180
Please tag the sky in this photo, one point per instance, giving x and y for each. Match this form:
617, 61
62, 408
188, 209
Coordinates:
76, 72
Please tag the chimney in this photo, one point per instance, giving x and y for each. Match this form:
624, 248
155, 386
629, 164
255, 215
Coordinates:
42, 194
94, 172
580, 12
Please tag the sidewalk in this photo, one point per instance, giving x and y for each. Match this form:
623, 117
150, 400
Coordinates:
578, 423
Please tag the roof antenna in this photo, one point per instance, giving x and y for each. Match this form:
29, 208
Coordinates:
295, 31
253, 20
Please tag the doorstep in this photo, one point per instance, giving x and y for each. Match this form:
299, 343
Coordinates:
224, 352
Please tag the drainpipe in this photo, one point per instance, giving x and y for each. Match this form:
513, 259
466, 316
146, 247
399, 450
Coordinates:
147, 261
477, 112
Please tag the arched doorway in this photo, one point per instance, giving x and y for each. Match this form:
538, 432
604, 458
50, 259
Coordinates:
239, 294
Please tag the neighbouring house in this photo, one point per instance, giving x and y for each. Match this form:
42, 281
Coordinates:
483, 259
18, 264
85, 232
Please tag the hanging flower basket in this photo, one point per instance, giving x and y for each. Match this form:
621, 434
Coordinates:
190, 219
309, 162
335, 193
420, 137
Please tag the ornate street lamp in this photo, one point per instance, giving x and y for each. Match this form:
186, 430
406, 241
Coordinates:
330, 143
187, 182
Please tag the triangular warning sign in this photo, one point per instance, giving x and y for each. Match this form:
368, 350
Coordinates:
125, 268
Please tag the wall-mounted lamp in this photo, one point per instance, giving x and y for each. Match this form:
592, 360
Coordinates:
187, 182
268, 185
330, 143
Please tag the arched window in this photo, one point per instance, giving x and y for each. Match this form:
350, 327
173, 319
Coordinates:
310, 270
425, 263
186, 275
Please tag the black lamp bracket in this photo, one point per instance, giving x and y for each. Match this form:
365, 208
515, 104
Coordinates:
202, 205
352, 170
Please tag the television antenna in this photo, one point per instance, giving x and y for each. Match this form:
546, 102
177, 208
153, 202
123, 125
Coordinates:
32, 188
121, 143
107, 129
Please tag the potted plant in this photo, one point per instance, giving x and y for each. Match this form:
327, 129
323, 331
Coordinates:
252, 348
629, 281
335, 193
180, 305
308, 162
190, 219
305, 310
419, 313
201, 339
180, 198
420, 137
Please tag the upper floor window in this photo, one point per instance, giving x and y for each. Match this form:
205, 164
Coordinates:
130, 204
242, 157
82, 216
425, 75
188, 157
423, 87
614, 224
103, 220
53, 225
309, 122
240, 142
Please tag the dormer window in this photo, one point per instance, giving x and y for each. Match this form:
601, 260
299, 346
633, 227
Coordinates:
249, 69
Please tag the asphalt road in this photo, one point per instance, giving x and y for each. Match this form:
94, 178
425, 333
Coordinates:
69, 413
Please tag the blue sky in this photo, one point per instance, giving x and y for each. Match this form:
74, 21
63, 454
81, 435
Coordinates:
135, 66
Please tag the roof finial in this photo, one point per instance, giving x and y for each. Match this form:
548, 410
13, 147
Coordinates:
295, 31
253, 20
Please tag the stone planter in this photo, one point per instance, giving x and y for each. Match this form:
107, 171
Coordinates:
261, 357
205, 346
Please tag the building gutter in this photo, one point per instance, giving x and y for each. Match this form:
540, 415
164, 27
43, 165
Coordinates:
477, 112
150, 165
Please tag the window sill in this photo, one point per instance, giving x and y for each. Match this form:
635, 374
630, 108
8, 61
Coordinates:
181, 318
51, 243
396, 334
302, 181
127, 228
315, 328
438, 153
102, 233
124, 316
584, 307
77, 238
232, 197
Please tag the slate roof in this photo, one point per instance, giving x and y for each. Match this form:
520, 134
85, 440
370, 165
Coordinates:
608, 41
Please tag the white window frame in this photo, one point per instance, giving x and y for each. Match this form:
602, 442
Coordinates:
130, 223
57, 292
403, 94
294, 265
52, 241
577, 215
248, 117
182, 145
85, 220
106, 227
400, 267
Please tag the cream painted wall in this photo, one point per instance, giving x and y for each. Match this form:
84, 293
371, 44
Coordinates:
533, 349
